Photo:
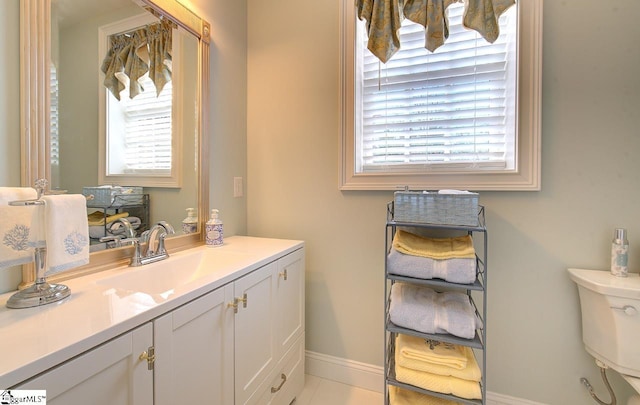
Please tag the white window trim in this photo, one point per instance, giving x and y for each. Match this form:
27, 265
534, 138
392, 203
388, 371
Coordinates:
172, 180
526, 177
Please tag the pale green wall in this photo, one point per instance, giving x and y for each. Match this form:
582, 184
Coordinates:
590, 185
228, 112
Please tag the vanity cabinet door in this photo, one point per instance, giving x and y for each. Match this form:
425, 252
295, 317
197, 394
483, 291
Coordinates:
194, 352
255, 322
112, 373
290, 300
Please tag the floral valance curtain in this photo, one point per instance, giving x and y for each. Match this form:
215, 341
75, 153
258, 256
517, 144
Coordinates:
134, 53
384, 17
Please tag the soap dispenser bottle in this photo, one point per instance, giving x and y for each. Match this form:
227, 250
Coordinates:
190, 223
619, 253
213, 230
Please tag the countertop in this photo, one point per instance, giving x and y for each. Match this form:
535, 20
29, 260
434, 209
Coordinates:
33, 340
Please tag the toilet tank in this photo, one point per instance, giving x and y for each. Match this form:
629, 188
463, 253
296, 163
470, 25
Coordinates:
610, 309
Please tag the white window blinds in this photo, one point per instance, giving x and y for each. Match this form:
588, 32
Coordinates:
148, 130
142, 127
453, 109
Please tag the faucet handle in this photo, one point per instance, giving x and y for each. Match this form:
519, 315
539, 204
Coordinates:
136, 258
128, 241
161, 250
116, 239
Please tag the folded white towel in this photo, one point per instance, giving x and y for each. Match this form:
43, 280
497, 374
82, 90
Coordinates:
454, 270
425, 310
19, 226
66, 231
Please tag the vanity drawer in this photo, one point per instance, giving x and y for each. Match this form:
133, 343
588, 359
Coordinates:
287, 379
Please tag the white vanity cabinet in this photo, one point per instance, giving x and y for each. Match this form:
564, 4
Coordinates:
226, 346
269, 333
241, 342
194, 352
111, 373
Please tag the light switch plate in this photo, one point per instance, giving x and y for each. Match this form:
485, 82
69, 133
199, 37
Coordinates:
238, 187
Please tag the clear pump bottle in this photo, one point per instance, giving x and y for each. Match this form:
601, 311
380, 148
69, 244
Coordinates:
214, 235
619, 253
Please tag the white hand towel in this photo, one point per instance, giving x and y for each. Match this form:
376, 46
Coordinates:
456, 270
18, 226
425, 310
66, 231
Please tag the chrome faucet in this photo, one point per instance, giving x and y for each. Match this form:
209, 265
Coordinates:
129, 232
155, 250
121, 239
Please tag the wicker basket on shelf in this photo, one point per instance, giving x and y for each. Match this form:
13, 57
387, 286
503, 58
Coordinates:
434, 208
114, 196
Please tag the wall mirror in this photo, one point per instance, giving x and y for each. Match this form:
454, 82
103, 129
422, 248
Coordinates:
69, 135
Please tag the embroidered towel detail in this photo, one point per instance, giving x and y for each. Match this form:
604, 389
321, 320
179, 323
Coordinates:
435, 248
430, 351
462, 271
400, 396
433, 382
19, 226
66, 231
446, 359
425, 310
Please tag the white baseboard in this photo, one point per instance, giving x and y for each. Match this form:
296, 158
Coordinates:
371, 377
345, 371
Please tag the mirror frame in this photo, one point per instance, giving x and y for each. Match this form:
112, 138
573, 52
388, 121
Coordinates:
35, 56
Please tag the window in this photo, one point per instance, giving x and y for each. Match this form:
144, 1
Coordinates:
466, 116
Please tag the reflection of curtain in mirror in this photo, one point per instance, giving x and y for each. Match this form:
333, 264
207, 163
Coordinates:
133, 54
160, 38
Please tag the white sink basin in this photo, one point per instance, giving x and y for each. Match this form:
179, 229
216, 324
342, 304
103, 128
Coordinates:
159, 277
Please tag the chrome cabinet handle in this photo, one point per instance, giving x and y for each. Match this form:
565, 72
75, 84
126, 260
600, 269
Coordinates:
284, 380
627, 309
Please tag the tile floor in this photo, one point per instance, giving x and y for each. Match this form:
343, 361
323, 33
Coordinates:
318, 391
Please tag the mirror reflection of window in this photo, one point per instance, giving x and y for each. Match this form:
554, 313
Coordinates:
139, 132
141, 142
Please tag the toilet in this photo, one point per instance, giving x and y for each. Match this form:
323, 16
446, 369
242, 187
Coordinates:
611, 321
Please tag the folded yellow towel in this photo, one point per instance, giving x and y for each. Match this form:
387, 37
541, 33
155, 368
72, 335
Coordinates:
444, 359
438, 383
400, 396
434, 248
433, 352
97, 218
